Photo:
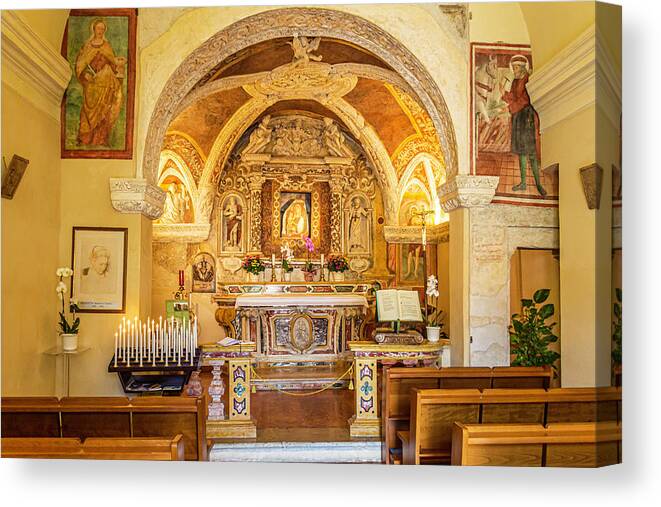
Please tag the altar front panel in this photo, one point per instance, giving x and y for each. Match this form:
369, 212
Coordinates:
296, 332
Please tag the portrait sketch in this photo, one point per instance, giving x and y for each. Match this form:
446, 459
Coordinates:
505, 126
204, 273
99, 268
295, 214
232, 223
358, 225
97, 113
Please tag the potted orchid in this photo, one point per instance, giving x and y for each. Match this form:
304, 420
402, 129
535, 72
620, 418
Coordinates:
254, 266
435, 317
309, 269
287, 258
68, 328
337, 265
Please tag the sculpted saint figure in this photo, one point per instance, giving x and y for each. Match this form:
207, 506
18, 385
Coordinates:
357, 226
260, 137
334, 140
303, 47
233, 219
100, 73
414, 249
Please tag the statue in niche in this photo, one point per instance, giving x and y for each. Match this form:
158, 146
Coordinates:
334, 140
358, 222
177, 202
260, 137
232, 220
413, 250
303, 48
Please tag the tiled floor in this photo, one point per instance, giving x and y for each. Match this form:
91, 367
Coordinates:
506, 165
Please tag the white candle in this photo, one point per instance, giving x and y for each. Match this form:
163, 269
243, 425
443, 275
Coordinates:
116, 351
273, 262
322, 265
160, 336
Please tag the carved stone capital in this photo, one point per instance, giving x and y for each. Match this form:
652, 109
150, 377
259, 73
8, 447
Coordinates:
467, 191
181, 233
137, 195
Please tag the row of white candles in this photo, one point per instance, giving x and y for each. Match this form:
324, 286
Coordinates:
273, 260
168, 341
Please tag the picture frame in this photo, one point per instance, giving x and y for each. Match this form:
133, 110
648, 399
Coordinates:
204, 273
99, 45
98, 260
12, 175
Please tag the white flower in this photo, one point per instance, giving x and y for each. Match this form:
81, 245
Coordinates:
64, 272
432, 286
68, 272
61, 288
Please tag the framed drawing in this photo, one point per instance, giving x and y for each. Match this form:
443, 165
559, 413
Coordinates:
97, 110
204, 273
505, 130
98, 257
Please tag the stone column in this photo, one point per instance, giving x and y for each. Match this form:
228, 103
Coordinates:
336, 188
457, 197
216, 391
255, 230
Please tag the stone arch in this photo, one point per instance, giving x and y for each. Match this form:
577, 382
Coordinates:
285, 23
432, 167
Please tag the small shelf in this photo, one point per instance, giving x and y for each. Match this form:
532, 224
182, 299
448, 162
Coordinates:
59, 351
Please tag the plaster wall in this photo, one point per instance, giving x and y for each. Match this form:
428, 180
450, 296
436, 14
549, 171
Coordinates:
30, 226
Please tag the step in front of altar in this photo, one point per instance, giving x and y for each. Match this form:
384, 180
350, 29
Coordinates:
299, 445
301, 377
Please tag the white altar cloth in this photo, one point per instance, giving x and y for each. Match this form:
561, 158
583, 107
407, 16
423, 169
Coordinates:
276, 300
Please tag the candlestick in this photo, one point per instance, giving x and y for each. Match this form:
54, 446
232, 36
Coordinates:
321, 275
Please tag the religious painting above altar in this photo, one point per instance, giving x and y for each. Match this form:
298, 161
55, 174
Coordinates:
295, 215
97, 111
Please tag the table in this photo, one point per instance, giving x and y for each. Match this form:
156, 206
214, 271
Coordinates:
66, 354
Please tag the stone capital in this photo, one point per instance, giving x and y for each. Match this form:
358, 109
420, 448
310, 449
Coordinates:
137, 195
467, 191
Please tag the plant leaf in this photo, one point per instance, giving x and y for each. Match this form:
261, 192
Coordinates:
541, 295
546, 311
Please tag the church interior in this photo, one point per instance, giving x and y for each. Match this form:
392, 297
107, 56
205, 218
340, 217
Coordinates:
342, 234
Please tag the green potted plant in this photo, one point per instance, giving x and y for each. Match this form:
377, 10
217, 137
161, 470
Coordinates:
68, 329
337, 265
435, 316
530, 335
254, 266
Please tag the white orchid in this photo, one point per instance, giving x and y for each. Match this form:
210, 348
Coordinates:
61, 288
64, 272
432, 286
286, 252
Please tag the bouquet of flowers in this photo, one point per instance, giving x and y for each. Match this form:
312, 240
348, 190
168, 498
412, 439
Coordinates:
436, 317
309, 267
287, 257
337, 264
253, 264
61, 290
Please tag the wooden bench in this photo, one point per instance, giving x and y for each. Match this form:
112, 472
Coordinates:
109, 417
152, 449
558, 445
398, 382
434, 412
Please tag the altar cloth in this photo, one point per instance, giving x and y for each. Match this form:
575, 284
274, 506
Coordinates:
283, 300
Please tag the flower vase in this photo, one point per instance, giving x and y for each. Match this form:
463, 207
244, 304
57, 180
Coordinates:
286, 276
253, 278
69, 341
433, 333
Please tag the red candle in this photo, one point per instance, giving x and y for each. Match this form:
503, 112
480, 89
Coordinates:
181, 277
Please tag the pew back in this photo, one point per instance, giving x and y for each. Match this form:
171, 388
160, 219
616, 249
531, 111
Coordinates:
563, 445
109, 417
399, 381
161, 449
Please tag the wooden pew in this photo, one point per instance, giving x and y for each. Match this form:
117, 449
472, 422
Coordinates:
109, 417
434, 412
398, 382
152, 449
559, 445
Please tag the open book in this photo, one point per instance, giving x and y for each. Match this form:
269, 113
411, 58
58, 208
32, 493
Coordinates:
393, 304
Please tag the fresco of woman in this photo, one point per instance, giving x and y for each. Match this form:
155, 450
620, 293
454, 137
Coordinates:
100, 73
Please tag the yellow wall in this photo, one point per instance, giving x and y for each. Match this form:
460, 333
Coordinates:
47, 23
498, 22
30, 227
85, 195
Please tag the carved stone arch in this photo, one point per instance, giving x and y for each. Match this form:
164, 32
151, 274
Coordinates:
433, 185
285, 23
184, 175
